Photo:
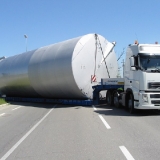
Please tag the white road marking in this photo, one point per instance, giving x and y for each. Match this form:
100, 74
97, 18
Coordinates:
126, 153
94, 108
2, 114
102, 119
16, 108
4, 106
24, 137
104, 122
105, 109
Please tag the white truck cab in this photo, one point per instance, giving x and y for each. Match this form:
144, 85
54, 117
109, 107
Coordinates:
142, 77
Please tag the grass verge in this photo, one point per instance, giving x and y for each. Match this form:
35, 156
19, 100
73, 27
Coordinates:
2, 101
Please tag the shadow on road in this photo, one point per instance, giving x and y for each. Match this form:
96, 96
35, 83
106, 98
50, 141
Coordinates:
37, 105
102, 109
46, 105
113, 111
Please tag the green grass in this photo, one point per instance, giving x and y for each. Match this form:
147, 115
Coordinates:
2, 101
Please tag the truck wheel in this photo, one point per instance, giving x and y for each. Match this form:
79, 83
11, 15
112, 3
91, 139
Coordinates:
131, 103
116, 99
109, 98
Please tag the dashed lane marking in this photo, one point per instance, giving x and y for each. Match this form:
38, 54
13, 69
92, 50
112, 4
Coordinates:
104, 122
126, 153
94, 108
102, 119
123, 148
16, 108
2, 114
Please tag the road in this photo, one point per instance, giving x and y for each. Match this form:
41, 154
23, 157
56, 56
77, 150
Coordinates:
31, 131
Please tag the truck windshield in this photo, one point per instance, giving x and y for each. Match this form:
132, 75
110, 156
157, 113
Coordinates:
149, 62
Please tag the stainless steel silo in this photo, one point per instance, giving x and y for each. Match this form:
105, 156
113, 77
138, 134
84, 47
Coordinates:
61, 70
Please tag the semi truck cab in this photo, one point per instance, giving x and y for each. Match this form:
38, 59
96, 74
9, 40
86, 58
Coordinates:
142, 77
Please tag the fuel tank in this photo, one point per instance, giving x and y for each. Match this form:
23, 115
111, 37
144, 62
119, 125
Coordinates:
67, 69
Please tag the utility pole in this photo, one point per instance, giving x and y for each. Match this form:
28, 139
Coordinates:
119, 74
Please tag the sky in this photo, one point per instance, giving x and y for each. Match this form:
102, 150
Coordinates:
48, 21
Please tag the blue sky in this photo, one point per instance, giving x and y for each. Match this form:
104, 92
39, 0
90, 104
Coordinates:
50, 21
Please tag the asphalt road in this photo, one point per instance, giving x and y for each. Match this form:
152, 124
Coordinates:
55, 132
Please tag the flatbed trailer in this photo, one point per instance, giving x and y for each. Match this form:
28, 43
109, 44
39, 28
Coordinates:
54, 101
98, 88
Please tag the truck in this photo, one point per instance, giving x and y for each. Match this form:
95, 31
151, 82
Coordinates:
70, 72
140, 86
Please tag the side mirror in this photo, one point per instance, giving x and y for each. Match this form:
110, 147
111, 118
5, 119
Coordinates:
132, 62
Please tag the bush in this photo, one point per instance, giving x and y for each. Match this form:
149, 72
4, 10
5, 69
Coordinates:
2, 101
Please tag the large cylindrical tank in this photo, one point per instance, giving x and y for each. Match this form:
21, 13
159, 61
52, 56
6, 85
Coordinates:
61, 70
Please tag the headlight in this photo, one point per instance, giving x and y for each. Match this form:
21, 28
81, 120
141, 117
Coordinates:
145, 97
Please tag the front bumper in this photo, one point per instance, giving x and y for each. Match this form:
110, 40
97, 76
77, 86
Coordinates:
148, 101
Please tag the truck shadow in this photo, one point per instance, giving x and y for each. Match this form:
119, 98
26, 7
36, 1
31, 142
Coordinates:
30, 104
102, 109
113, 111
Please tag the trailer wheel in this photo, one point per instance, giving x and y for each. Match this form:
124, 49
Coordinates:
109, 97
116, 99
131, 103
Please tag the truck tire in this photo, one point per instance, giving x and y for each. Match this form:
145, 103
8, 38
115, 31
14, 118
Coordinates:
130, 103
109, 98
116, 99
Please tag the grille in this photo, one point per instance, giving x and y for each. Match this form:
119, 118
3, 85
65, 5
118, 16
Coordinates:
155, 96
154, 85
155, 101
